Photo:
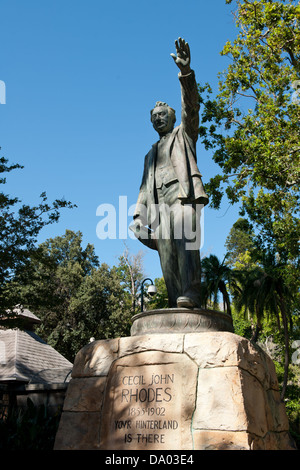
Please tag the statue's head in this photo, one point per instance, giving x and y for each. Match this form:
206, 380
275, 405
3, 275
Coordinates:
163, 118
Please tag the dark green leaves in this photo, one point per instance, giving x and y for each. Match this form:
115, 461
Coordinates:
253, 124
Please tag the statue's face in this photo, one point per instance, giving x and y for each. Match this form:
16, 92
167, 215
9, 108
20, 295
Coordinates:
161, 120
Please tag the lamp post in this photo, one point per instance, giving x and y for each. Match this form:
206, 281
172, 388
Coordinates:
151, 291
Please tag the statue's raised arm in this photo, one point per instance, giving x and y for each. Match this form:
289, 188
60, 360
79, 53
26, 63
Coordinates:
189, 92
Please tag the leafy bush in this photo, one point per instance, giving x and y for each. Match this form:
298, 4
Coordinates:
32, 428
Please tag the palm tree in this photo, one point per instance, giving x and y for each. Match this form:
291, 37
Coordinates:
249, 296
215, 277
263, 292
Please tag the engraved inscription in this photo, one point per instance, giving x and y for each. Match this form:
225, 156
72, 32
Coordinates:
147, 406
149, 402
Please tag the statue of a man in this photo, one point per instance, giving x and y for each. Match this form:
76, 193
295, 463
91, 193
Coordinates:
167, 215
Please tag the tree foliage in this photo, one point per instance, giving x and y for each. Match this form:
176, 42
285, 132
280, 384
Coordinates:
252, 128
216, 278
20, 225
264, 291
131, 273
240, 245
75, 296
252, 125
32, 428
160, 300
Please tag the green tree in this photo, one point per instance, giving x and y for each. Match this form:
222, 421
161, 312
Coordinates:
160, 300
131, 273
264, 293
20, 225
75, 296
252, 125
30, 428
240, 245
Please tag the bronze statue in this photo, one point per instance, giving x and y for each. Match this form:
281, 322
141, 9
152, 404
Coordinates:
167, 215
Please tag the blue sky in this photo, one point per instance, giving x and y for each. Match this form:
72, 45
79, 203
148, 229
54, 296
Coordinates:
81, 78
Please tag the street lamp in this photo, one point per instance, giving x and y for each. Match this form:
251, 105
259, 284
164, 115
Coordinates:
151, 291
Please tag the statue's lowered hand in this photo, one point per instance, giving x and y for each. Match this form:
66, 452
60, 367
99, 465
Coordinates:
144, 234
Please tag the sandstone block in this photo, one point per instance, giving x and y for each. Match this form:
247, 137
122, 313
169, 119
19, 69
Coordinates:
164, 342
85, 395
275, 411
78, 431
221, 440
214, 349
95, 359
229, 399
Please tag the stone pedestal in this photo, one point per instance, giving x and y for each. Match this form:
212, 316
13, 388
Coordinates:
180, 320
182, 391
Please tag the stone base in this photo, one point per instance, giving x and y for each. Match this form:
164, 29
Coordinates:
185, 391
180, 320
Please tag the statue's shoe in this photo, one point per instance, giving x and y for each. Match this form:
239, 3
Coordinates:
185, 302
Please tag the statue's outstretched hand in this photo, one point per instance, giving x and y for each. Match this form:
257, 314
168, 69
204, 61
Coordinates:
183, 58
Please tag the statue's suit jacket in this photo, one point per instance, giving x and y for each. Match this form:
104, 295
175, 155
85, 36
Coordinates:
182, 153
